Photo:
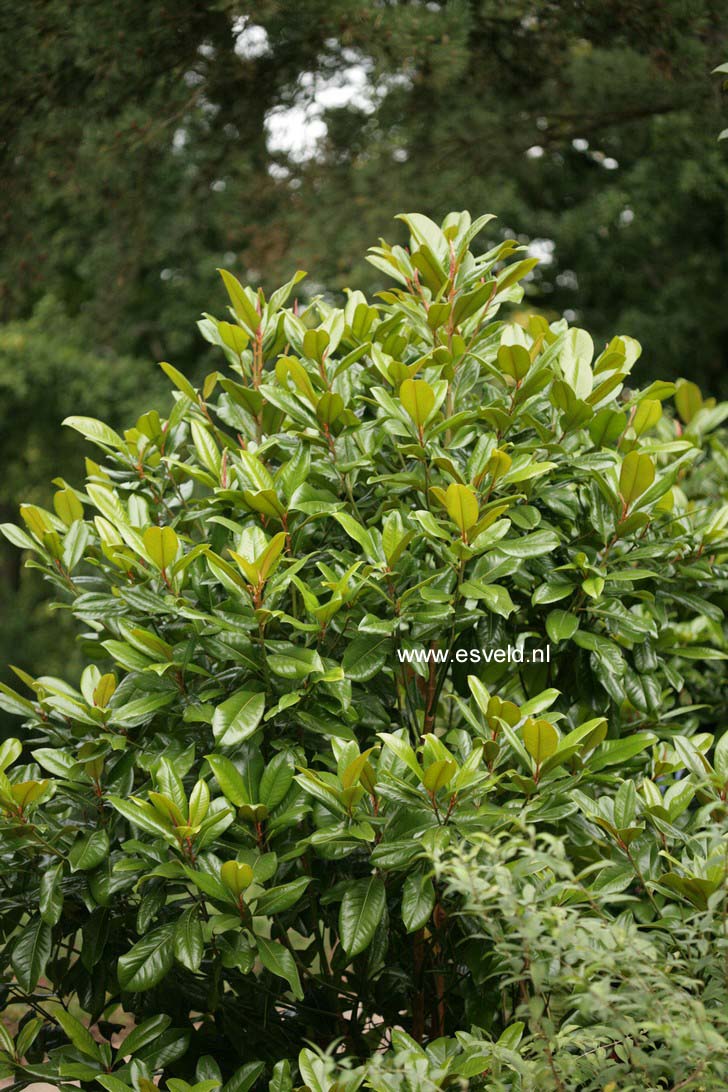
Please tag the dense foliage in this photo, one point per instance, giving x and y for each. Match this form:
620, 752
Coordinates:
144, 145
278, 835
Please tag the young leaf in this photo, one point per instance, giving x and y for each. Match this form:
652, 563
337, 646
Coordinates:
541, 739
161, 544
637, 475
625, 805
462, 506
229, 779
418, 398
236, 877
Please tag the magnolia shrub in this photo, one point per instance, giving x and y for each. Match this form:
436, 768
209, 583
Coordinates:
399, 578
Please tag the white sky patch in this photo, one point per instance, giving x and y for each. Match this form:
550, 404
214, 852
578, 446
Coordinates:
251, 40
296, 130
605, 161
535, 151
568, 279
543, 249
277, 171
579, 144
626, 216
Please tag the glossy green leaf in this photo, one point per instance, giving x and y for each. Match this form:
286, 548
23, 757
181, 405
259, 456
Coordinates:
50, 898
561, 625
31, 953
238, 717
79, 1035
89, 851
418, 901
279, 961
188, 942
362, 909
148, 961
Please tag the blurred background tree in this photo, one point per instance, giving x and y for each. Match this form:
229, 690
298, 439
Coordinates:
143, 145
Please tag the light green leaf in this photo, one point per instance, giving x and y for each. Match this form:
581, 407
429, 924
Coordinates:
688, 400
242, 306
161, 544
637, 475
276, 780
237, 877
625, 805
541, 739
10, 749
180, 381
96, 431
720, 757
575, 361
462, 506
647, 414
418, 398
67, 505
496, 597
